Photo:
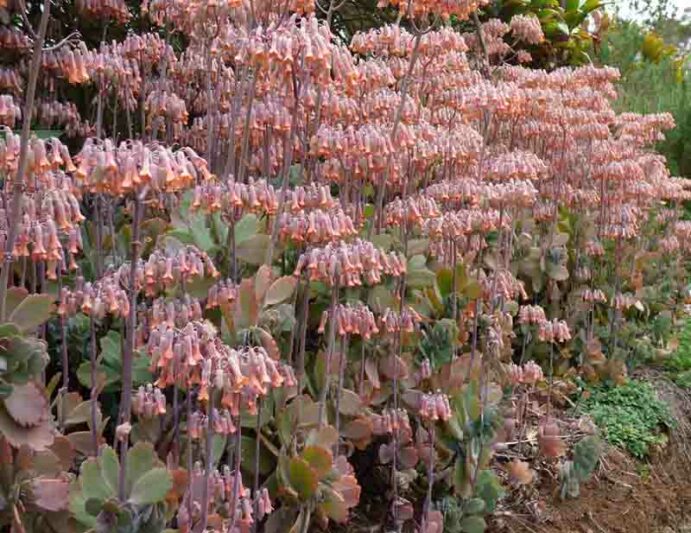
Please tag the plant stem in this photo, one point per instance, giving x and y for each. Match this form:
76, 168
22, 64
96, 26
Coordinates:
93, 396
17, 183
209, 460
329, 352
128, 355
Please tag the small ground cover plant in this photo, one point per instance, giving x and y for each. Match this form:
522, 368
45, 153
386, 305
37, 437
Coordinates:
631, 415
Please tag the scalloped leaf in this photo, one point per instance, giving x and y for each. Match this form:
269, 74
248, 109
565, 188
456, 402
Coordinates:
280, 290
38, 437
302, 478
320, 459
27, 404
151, 487
50, 494
32, 311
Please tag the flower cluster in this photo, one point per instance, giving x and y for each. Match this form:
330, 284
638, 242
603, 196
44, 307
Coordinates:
349, 264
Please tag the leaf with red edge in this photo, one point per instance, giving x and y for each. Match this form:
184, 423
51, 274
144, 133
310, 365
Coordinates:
324, 437
37, 437
27, 405
320, 459
51, 494
302, 478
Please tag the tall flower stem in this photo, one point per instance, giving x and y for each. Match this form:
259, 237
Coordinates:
17, 183
208, 452
93, 396
128, 355
329, 352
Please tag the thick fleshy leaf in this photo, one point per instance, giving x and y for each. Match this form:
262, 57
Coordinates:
50, 494
38, 437
349, 403
92, 481
15, 295
324, 437
334, 506
280, 290
32, 311
473, 524
27, 404
302, 478
152, 487
262, 281
247, 309
358, 429
110, 467
253, 250
320, 459
82, 441
269, 343
266, 464
140, 460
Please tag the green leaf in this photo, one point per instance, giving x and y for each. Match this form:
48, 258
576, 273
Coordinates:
111, 349
140, 459
557, 28
199, 287
201, 233
383, 241
253, 250
489, 489
417, 246
246, 227
151, 487
320, 459
302, 478
419, 276
266, 464
473, 524
93, 506
110, 467
474, 506
47, 134
591, 5
92, 481
32, 311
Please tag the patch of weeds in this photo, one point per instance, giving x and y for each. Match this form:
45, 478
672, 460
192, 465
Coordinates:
630, 416
679, 365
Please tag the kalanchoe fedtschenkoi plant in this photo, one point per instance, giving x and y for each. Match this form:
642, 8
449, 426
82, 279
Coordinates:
252, 270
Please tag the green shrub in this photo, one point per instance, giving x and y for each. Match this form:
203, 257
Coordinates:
631, 416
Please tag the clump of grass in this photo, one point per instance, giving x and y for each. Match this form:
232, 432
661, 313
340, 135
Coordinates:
679, 364
630, 416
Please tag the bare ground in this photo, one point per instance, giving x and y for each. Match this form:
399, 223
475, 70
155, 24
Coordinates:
625, 495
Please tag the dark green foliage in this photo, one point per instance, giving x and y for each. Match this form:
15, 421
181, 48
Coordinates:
631, 416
